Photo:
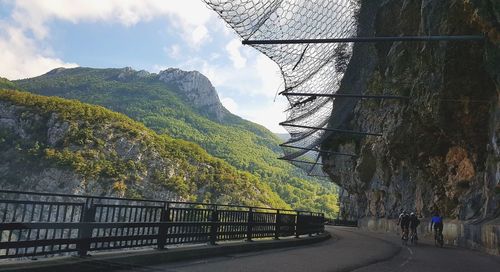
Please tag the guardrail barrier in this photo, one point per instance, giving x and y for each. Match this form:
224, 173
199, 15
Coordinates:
38, 224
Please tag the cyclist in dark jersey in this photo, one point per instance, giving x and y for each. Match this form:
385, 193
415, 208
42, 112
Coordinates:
413, 224
404, 222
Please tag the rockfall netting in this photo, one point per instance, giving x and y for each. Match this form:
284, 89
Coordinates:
312, 68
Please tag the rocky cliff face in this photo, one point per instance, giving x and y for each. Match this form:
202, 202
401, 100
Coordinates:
27, 134
198, 90
440, 149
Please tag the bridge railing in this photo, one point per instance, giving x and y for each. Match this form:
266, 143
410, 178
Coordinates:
342, 222
46, 224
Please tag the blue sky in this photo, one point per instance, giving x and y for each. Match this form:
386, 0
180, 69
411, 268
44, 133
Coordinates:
39, 35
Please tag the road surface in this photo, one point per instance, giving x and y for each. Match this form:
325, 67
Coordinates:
349, 250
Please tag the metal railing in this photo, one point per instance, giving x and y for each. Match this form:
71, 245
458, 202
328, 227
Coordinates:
343, 222
34, 224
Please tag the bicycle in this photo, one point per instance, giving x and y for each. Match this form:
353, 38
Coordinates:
404, 237
413, 238
438, 239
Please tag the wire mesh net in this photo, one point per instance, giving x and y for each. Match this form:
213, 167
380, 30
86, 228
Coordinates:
312, 68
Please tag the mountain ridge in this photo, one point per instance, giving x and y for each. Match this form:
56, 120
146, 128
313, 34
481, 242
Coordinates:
166, 109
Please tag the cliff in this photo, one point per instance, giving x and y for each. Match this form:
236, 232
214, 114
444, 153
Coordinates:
440, 149
197, 90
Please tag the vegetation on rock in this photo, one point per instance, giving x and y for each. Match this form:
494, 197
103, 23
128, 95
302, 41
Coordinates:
112, 154
163, 108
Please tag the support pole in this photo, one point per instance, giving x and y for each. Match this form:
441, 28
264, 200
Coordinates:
348, 96
333, 130
277, 227
320, 151
214, 226
163, 229
250, 225
86, 229
436, 38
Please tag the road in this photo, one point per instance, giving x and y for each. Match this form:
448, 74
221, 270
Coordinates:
349, 250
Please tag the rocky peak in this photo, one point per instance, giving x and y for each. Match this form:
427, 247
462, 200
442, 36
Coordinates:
128, 73
56, 71
197, 89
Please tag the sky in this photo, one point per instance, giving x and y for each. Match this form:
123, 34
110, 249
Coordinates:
37, 36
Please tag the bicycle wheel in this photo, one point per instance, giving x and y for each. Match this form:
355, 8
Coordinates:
441, 241
404, 239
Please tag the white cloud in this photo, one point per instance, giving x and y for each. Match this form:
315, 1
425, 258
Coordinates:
229, 104
233, 49
268, 114
198, 36
20, 56
20, 40
189, 15
246, 73
269, 73
260, 76
174, 51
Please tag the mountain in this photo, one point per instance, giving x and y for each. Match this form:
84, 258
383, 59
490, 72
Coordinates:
185, 105
53, 144
283, 136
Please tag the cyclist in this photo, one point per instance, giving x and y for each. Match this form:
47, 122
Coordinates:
413, 224
404, 222
437, 223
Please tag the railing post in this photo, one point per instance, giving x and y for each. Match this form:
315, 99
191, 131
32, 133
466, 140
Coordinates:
163, 229
322, 223
310, 226
277, 227
85, 232
214, 226
250, 225
297, 225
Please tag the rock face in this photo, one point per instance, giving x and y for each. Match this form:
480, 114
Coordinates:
440, 149
198, 90
26, 167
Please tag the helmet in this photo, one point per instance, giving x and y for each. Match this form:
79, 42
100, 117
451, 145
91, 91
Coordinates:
412, 214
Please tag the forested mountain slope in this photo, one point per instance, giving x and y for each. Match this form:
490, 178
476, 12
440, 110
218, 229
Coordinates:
52, 144
185, 105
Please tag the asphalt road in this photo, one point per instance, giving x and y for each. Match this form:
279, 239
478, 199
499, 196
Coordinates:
349, 250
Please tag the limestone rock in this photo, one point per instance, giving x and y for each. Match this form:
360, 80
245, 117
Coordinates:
197, 89
440, 149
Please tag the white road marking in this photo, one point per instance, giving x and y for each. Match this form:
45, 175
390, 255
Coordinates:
409, 258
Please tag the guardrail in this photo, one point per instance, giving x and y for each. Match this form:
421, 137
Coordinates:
345, 223
34, 224
341, 222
